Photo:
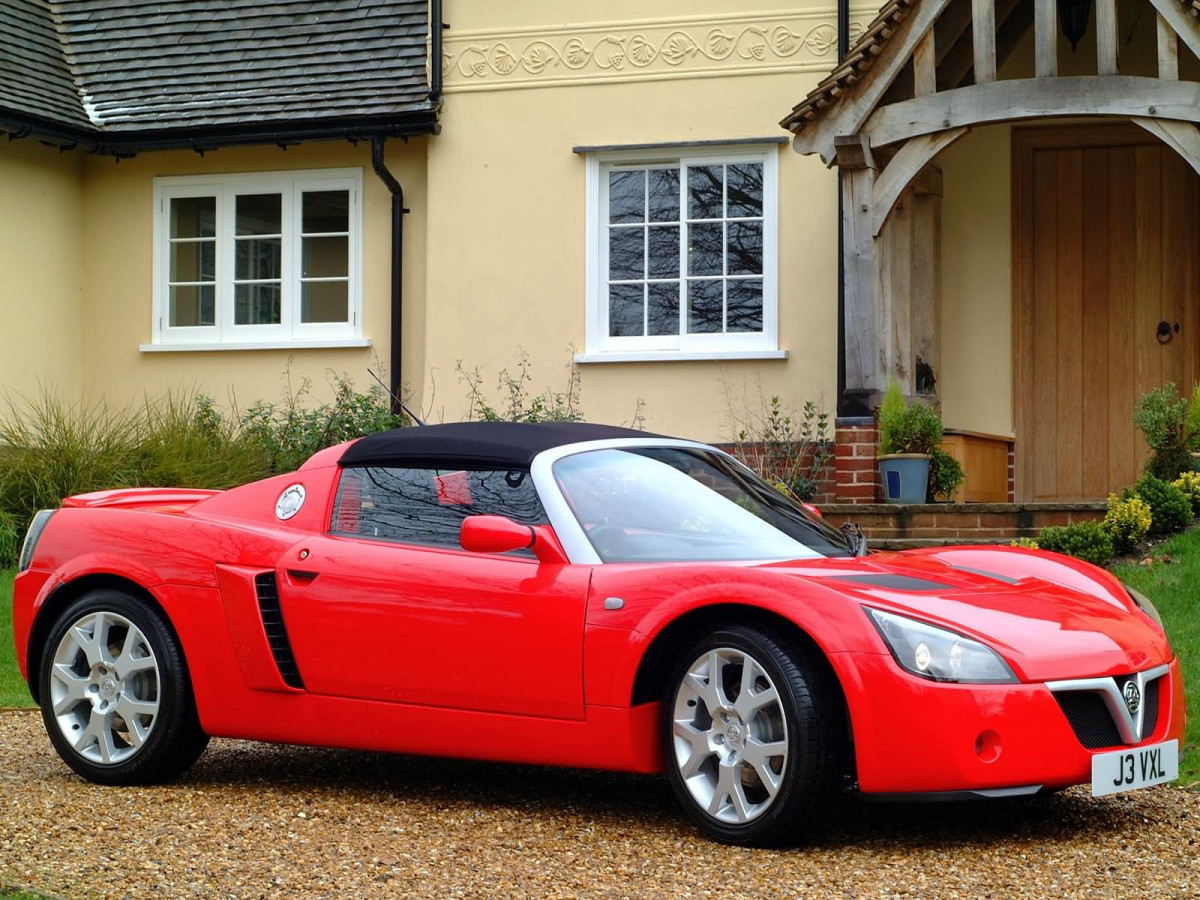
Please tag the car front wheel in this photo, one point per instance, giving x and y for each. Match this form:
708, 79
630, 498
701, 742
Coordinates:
115, 694
752, 737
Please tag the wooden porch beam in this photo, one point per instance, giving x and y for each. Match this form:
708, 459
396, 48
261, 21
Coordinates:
1182, 137
983, 30
1168, 51
858, 104
1045, 39
1181, 21
864, 364
925, 66
1032, 98
1106, 37
904, 167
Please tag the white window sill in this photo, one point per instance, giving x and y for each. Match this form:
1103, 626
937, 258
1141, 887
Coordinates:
256, 345
678, 356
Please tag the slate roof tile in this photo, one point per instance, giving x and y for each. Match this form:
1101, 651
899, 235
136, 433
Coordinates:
117, 66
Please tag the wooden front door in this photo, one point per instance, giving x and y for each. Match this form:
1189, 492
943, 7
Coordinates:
1104, 225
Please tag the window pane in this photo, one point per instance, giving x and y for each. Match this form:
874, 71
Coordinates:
193, 261
627, 196
326, 257
192, 306
744, 309
705, 190
427, 506
663, 261
705, 248
664, 195
324, 301
326, 211
193, 217
704, 306
626, 253
259, 213
625, 303
258, 258
745, 248
256, 304
662, 310
745, 189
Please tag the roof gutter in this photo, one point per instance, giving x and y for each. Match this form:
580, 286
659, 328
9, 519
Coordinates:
210, 137
397, 292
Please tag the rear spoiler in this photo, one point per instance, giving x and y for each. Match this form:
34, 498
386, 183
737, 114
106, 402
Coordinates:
135, 497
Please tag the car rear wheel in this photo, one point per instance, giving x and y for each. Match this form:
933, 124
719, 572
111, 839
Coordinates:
116, 699
752, 737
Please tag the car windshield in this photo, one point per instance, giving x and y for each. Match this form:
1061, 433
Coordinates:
667, 504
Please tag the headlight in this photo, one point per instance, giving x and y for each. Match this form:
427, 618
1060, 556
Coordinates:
937, 654
1147, 607
36, 527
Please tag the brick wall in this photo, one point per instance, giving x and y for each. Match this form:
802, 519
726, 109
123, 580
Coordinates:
856, 471
962, 523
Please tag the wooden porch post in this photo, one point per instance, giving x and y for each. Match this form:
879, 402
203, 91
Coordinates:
864, 370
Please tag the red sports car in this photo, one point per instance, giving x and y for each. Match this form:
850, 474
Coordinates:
582, 595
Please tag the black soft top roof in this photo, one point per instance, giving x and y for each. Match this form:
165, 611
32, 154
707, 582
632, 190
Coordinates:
500, 445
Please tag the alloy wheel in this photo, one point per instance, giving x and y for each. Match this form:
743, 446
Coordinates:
729, 735
104, 688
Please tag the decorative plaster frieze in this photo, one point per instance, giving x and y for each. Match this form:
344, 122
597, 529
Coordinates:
644, 50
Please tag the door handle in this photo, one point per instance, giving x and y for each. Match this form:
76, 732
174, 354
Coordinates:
301, 578
1164, 333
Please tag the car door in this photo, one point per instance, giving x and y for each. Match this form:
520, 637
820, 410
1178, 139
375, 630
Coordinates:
387, 606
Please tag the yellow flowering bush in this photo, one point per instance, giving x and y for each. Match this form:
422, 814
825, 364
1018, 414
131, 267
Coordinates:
1127, 521
1027, 543
1189, 483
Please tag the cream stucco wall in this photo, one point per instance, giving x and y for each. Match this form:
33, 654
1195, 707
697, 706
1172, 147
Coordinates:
507, 197
118, 224
975, 382
41, 288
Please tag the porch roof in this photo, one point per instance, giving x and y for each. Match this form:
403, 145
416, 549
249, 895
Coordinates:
135, 73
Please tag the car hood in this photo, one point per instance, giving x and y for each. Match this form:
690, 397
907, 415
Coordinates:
1051, 619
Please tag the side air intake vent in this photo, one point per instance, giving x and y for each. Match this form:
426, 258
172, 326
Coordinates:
272, 618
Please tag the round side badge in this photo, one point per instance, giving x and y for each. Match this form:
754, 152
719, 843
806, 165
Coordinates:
290, 502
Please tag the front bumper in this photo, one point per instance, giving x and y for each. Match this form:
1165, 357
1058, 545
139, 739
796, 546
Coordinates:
916, 736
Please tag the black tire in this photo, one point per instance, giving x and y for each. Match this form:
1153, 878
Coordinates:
808, 705
173, 737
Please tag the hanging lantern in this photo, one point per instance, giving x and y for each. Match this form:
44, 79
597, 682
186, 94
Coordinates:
1073, 19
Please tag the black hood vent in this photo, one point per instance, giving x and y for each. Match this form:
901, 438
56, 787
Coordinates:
895, 582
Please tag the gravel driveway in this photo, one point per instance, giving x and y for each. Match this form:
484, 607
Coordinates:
260, 821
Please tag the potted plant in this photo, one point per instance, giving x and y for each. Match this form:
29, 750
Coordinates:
908, 434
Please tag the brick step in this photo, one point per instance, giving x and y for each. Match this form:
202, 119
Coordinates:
934, 524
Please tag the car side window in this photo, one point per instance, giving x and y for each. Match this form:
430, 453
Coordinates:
427, 506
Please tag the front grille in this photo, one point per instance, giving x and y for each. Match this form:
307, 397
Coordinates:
1150, 713
1089, 718
272, 618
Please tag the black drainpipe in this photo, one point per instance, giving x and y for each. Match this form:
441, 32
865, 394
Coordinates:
398, 212
435, 50
843, 33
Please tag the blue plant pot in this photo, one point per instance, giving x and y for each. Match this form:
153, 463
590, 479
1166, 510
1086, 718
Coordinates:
905, 477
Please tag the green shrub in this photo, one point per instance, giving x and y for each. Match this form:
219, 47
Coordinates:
1162, 416
1189, 483
1127, 521
1170, 508
10, 538
1088, 541
906, 427
791, 455
1193, 421
1026, 542
520, 403
945, 475
288, 433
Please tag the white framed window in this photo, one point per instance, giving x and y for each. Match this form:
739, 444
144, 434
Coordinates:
682, 253
268, 259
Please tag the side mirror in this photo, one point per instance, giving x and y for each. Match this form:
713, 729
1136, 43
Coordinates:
499, 534
494, 534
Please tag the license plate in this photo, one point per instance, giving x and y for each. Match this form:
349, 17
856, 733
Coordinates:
1128, 770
